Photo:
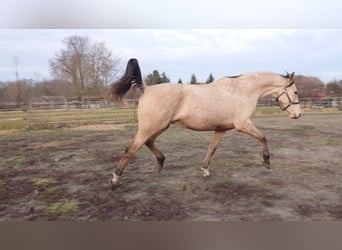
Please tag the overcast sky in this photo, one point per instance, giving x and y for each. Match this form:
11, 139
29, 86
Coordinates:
182, 52
179, 37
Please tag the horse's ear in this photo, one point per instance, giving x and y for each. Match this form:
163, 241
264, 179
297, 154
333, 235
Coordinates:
291, 76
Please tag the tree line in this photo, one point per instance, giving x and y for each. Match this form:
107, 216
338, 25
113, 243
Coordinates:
156, 78
84, 70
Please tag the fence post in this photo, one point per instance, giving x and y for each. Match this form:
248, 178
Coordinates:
29, 116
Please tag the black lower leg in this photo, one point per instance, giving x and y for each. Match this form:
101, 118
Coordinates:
161, 160
266, 157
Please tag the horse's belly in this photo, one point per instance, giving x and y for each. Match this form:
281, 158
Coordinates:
204, 124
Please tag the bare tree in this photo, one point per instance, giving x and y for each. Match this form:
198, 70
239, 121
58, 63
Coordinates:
90, 68
70, 63
102, 69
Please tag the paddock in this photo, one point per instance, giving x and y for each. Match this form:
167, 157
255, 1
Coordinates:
58, 174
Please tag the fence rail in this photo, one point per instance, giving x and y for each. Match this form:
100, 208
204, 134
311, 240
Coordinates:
64, 104
59, 114
42, 115
328, 102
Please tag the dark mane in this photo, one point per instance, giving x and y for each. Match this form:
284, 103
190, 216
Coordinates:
237, 76
132, 77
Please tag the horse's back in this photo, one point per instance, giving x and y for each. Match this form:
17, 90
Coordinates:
161, 94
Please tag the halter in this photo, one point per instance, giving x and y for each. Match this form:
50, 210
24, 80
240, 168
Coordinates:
288, 98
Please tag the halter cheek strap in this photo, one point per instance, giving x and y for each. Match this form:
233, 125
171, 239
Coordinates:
288, 98
288, 105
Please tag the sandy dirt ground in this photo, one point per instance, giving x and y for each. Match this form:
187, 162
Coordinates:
64, 174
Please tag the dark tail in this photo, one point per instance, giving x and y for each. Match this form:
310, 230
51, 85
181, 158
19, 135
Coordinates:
132, 77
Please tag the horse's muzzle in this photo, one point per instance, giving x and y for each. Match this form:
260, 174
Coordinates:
297, 116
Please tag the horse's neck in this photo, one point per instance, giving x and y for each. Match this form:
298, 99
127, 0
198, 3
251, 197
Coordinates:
264, 85
270, 90
256, 85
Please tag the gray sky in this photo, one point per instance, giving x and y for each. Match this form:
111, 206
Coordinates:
180, 37
181, 52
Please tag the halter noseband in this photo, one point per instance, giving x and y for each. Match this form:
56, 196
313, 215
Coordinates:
288, 98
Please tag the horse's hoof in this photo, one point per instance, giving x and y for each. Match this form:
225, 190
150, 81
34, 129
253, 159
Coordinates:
156, 169
205, 172
267, 165
112, 185
114, 181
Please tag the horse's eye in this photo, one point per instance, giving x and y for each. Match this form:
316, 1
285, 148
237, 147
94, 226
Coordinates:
296, 93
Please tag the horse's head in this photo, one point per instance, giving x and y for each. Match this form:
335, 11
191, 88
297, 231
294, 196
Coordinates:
288, 97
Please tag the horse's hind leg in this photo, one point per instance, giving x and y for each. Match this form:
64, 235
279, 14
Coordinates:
138, 141
159, 155
211, 150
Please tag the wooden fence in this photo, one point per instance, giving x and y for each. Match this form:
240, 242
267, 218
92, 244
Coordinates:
61, 114
46, 115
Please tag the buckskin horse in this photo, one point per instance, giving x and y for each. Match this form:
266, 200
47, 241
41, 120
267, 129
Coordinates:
225, 104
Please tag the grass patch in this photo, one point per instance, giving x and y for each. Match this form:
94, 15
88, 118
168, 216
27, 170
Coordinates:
332, 141
221, 162
267, 111
43, 181
144, 152
53, 190
114, 195
53, 119
18, 162
62, 207
228, 182
15, 124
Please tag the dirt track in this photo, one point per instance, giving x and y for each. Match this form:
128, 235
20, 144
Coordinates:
64, 174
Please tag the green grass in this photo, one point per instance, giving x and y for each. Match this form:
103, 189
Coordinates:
53, 190
43, 181
228, 182
221, 162
18, 162
61, 208
266, 111
52, 119
333, 141
114, 195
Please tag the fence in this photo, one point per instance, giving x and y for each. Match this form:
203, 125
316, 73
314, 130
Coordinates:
64, 104
56, 115
329, 102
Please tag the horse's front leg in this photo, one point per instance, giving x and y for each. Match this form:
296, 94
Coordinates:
249, 129
211, 150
